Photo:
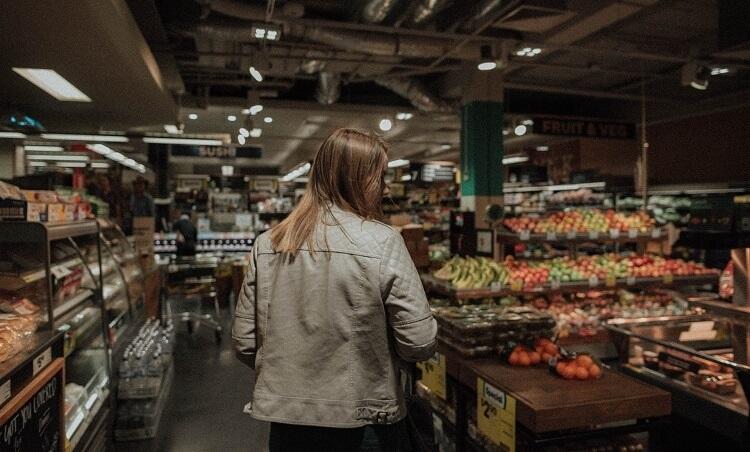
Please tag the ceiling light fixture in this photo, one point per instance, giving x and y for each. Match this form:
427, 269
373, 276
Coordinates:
193, 116
37, 163
185, 141
516, 158
101, 149
227, 170
244, 132
241, 139
71, 164
255, 109
100, 165
59, 158
487, 61
385, 124
271, 32
406, 178
255, 132
298, 172
397, 163
695, 75
542, 148
44, 148
520, 130
445, 147
231, 118
172, 128
91, 138
12, 135
256, 74
720, 70
404, 116
268, 120
53, 84
528, 52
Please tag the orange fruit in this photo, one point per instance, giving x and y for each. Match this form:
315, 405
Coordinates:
560, 367
595, 371
582, 373
569, 372
524, 359
513, 359
535, 358
584, 361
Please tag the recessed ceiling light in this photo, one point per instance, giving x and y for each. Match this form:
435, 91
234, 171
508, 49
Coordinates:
12, 135
45, 148
240, 139
486, 65
92, 138
172, 128
231, 118
255, 109
385, 124
244, 132
520, 130
245, 111
185, 141
268, 119
404, 116
227, 170
193, 116
528, 52
256, 74
542, 148
53, 83
719, 70
255, 132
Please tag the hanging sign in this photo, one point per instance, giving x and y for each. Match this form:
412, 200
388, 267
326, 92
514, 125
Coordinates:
221, 152
433, 374
583, 128
496, 415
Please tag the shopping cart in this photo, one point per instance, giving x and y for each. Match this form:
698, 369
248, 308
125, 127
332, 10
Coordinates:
191, 281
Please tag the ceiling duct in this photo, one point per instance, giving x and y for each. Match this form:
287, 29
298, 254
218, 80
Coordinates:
426, 10
375, 11
329, 88
254, 11
483, 10
388, 44
313, 65
416, 93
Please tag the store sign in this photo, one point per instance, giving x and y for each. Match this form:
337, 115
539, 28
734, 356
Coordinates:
433, 374
496, 415
221, 152
584, 128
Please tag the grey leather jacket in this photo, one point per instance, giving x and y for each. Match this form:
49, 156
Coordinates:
327, 331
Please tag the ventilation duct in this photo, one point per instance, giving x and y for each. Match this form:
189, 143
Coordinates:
329, 88
375, 11
247, 11
416, 93
426, 10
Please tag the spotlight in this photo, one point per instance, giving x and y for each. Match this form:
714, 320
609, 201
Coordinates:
520, 130
696, 76
385, 124
487, 61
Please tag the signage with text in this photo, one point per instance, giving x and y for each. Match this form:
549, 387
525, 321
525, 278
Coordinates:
221, 152
496, 415
433, 374
584, 128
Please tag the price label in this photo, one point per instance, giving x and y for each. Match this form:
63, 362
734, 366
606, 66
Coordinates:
41, 360
516, 285
611, 281
551, 236
614, 233
496, 286
60, 271
524, 234
496, 415
632, 233
593, 281
593, 235
655, 233
5, 392
630, 281
668, 278
570, 235
554, 284
433, 374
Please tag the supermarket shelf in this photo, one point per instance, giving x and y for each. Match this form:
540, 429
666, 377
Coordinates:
150, 431
724, 309
65, 230
71, 303
445, 289
19, 369
507, 236
80, 428
11, 281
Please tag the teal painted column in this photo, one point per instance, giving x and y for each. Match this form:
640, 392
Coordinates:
481, 150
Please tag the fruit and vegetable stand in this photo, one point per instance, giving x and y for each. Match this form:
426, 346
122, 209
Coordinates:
535, 408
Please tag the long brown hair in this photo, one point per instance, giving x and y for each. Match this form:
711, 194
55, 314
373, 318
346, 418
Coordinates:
348, 172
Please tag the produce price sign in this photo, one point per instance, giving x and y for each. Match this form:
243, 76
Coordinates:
496, 415
433, 374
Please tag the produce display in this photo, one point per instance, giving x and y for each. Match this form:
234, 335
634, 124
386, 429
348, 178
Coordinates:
543, 351
703, 374
476, 273
577, 367
582, 221
479, 330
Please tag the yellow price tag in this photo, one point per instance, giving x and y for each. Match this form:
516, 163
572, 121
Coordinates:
516, 285
668, 278
496, 415
433, 374
611, 281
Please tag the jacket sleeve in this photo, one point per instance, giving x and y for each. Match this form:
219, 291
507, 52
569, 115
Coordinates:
412, 325
243, 326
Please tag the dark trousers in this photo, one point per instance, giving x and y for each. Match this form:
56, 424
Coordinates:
372, 438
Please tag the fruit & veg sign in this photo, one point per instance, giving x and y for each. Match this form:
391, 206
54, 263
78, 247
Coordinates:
433, 374
496, 415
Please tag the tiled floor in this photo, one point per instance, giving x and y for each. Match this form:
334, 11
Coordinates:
204, 410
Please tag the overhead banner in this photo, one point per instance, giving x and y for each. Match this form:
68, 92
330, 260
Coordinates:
222, 152
584, 128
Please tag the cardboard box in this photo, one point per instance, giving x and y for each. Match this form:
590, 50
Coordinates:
56, 213
70, 212
143, 232
36, 211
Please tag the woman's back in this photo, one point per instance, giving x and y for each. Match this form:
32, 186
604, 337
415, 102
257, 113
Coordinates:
328, 323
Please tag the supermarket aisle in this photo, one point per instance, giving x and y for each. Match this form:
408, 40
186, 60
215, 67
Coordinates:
204, 412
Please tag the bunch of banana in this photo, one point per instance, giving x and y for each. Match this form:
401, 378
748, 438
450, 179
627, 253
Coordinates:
472, 273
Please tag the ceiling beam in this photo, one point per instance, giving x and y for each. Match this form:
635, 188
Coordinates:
583, 92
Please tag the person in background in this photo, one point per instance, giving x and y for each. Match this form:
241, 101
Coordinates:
141, 203
187, 235
331, 310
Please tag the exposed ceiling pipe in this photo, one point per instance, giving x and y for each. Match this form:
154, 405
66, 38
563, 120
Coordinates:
375, 11
329, 88
416, 93
426, 11
481, 12
252, 11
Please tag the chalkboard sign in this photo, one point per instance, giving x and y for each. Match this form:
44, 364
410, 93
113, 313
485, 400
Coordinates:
32, 421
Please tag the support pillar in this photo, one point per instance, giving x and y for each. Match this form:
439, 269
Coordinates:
158, 158
481, 142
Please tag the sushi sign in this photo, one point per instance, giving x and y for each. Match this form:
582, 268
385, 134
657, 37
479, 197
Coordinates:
584, 128
221, 152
